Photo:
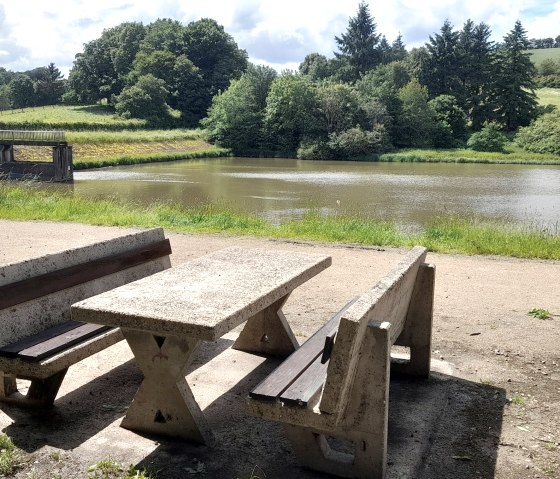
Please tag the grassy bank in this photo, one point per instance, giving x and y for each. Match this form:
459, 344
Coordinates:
94, 149
464, 236
514, 156
63, 117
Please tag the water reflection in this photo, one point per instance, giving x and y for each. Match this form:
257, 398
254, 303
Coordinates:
278, 189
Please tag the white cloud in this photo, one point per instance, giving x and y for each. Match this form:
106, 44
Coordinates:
35, 32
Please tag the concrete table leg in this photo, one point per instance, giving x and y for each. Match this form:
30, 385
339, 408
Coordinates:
164, 403
268, 332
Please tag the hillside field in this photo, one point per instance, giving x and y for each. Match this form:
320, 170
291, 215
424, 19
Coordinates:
544, 53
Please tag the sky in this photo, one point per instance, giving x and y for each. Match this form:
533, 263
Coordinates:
277, 33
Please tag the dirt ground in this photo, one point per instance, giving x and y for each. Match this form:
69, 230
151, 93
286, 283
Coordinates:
498, 416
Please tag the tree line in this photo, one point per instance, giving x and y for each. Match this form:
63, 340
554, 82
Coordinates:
373, 95
38, 87
164, 72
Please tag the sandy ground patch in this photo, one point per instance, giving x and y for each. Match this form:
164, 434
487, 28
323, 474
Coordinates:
499, 415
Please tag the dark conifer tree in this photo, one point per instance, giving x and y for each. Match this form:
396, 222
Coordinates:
443, 66
359, 44
514, 86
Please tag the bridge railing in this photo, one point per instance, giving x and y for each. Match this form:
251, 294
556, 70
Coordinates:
15, 136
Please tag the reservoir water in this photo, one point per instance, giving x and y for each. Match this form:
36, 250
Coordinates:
408, 193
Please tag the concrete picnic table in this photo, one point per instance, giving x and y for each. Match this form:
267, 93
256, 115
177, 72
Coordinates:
164, 317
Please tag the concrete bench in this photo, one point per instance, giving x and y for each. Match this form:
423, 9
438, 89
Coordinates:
336, 385
38, 340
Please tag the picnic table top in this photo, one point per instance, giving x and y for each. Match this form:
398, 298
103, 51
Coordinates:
206, 297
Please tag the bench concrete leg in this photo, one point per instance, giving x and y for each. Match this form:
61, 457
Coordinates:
8, 385
365, 418
41, 392
164, 403
417, 330
268, 332
314, 452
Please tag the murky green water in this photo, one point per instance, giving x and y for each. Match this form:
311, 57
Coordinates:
408, 193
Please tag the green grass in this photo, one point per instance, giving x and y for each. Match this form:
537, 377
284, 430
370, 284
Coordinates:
91, 117
108, 469
549, 96
540, 313
518, 400
94, 149
447, 235
131, 136
10, 457
537, 56
514, 155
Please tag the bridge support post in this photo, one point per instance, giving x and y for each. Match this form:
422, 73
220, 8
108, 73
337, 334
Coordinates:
62, 160
7, 153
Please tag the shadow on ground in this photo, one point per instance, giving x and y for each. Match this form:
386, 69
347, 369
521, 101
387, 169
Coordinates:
440, 428
87, 410
444, 427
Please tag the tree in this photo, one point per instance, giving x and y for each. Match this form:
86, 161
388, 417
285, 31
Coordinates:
514, 87
158, 63
384, 50
339, 106
451, 121
443, 66
145, 99
292, 113
235, 119
21, 91
50, 86
188, 91
215, 53
359, 44
93, 77
379, 96
315, 66
5, 103
417, 121
128, 38
164, 34
477, 64
398, 50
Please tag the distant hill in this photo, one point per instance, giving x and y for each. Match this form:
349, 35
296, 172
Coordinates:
537, 56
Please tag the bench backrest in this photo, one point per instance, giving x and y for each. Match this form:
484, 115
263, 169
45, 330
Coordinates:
386, 305
37, 293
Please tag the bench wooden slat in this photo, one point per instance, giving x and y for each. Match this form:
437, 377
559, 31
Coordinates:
285, 374
307, 385
61, 342
33, 288
13, 349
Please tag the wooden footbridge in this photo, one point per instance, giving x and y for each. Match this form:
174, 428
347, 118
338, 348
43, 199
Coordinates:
60, 169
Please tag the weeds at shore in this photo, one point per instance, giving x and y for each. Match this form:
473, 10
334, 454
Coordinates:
446, 235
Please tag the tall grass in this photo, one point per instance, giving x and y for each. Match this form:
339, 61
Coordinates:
515, 155
131, 136
153, 157
456, 235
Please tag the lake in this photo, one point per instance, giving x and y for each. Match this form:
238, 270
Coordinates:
407, 193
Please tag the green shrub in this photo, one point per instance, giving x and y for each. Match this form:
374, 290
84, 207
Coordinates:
542, 136
490, 138
345, 145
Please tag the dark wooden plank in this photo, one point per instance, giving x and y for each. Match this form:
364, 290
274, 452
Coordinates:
285, 374
33, 288
307, 385
12, 350
62, 342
